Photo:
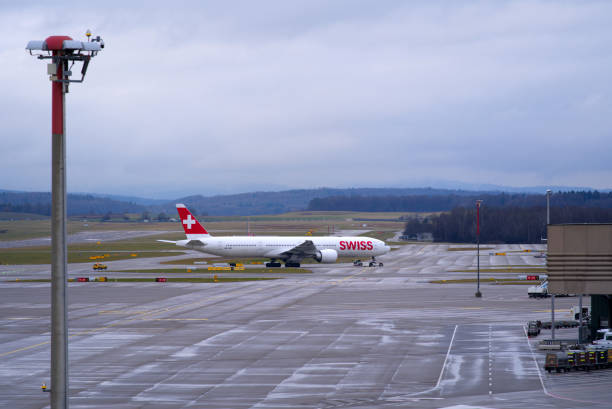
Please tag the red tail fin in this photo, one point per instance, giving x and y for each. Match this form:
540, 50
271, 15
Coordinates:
190, 224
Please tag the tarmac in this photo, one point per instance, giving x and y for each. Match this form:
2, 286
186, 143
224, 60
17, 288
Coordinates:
340, 337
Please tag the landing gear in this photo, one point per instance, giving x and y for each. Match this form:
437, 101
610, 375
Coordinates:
372, 263
273, 263
290, 264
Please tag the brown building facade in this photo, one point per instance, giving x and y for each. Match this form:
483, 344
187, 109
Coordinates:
579, 259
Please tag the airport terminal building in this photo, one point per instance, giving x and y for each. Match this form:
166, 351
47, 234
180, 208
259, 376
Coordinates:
580, 262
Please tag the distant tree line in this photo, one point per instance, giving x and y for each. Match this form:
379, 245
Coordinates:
437, 203
35, 208
77, 204
511, 224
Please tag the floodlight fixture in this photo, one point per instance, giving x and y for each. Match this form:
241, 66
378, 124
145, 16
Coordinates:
62, 51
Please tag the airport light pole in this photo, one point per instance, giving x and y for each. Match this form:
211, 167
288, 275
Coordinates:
63, 52
478, 293
552, 296
548, 192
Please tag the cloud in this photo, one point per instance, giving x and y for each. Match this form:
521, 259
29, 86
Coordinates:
216, 97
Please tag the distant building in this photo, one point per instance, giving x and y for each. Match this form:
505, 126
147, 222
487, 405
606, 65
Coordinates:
417, 237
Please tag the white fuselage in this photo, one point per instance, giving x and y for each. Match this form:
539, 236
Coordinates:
274, 246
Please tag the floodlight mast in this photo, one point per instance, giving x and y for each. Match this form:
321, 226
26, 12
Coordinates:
61, 50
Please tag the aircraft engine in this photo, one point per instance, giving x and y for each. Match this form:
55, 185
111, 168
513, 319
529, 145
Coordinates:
326, 256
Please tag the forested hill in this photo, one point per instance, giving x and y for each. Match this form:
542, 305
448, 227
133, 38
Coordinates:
78, 204
446, 202
256, 203
290, 200
243, 204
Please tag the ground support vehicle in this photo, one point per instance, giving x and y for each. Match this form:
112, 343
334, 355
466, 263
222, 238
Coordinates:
560, 324
604, 338
580, 360
533, 328
371, 263
538, 291
586, 313
541, 291
99, 266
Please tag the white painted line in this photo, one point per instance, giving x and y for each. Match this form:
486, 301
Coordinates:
535, 361
443, 367
446, 359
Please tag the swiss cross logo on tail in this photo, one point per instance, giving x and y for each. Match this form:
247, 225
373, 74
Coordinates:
189, 221
191, 226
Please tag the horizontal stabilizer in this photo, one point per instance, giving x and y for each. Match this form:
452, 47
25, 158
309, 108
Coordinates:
195, 243
167, 241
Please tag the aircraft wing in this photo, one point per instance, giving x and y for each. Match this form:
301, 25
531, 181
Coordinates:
306, 249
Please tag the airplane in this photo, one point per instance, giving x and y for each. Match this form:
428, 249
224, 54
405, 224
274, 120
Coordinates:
290, 250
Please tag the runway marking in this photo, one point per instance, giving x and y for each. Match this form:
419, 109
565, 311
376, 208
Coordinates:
446, 358
175, 319
450, 346
125, 320
24, 348
140, 314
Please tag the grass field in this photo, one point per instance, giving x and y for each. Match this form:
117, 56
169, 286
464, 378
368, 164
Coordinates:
469, 248
28, 229
205, 271
169, 280
490, 280
296, 223
380, 235
505, 270
380, 225
142, 247
32, 255
210, 261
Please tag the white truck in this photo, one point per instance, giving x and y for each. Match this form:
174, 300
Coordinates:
541, 291
538, 291
606, 338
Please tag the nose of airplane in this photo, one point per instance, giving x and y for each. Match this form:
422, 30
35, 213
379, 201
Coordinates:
387, 249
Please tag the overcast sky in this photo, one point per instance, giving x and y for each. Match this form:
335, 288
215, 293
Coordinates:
234, 96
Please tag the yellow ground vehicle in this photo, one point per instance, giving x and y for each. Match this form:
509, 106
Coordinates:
99, 266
